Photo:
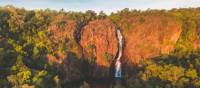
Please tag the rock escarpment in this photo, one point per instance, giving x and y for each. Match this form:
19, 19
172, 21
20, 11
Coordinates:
148, 38
99, 43
145, 38
66, 51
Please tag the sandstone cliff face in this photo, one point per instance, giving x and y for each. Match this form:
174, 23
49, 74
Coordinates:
99, 43
67, 52
145, 38
197, 44
61, 32
148, 38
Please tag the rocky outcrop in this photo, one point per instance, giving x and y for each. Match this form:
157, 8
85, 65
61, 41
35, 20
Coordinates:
99, 43
66, 51
149, 36
144, 38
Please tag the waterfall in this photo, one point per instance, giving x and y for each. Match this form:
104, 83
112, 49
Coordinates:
118, 71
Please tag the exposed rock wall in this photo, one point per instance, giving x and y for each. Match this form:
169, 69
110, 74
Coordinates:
149, 38
143, 39
99, 43
68, 60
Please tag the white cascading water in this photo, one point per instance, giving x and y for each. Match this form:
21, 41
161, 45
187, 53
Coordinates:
118, 71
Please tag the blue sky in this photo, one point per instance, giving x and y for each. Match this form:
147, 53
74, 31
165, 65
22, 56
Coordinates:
107, 6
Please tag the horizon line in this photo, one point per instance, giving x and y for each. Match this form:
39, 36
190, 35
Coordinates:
97, 12
108, 7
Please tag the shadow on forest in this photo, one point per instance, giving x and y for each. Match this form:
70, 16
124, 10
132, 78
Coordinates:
75, 71
176, 60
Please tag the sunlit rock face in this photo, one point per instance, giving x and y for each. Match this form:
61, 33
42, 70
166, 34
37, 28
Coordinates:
99, 43
66, 51
149, 36
146, 37
61, 35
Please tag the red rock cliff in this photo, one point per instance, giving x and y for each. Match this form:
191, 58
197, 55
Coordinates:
99, 43
149, 36
145, 38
